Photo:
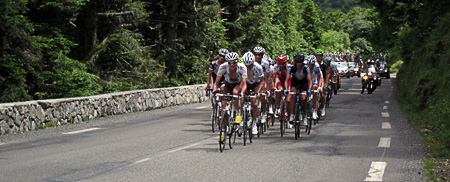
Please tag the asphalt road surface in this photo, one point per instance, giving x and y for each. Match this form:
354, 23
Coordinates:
362, 138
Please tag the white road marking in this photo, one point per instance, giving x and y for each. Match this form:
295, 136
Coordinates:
349, 93
387, 102
384, 142
385, 107
385, 125
358, 89
385, 114
142, 160
376, 171
201, 107
185, 147
81, 131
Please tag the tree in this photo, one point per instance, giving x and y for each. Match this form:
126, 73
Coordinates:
333, 41
311, 24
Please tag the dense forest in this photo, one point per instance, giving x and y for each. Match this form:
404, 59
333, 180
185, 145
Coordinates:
56, 49
66, 48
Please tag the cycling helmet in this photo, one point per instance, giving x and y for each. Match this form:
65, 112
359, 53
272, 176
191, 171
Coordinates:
223, 52
259, 50
232, 57
272, 61
248, 58
282, 59
299, 56
319, 52
328, 59
311, 59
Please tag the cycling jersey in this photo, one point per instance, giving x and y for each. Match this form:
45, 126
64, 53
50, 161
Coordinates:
280, 75
241, 72
255, 75
265, 65
324, 65
315, 73
300, 79
214, 66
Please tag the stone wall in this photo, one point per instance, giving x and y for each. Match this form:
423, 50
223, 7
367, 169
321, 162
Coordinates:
24, 116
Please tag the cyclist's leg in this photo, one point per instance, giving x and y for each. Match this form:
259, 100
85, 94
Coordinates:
237, 104
291, 103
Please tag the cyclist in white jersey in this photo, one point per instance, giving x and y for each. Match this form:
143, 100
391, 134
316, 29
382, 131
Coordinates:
255, 82
317, 79
235, 82
259, 51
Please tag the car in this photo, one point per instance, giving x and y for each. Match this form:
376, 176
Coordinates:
342, 68
384, 70
354, 69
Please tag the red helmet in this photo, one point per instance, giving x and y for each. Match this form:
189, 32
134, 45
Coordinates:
282, 59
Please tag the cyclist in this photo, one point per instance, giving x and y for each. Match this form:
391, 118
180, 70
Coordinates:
235, 82
214, 67
280, 72
334, 74
259, 51
325, 68
255, 82
317, 79
300, 78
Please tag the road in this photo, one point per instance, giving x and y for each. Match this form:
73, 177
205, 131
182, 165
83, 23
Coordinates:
362, 138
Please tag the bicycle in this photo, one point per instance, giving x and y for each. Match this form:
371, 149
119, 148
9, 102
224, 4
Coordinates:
282, 114
298, 112
261, 126
231, 129
247, 125
215, 116
328, 96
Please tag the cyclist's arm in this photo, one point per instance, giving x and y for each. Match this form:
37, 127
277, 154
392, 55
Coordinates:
260, 85
328, 77
286, 83
208, 82
310, 83
216, 84
243, 85
267, 80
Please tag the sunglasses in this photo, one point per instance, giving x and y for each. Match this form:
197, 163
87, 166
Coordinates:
221, 56
232, 62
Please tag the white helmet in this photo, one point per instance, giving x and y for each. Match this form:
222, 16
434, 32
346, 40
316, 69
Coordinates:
328, 59
223, 52
259, 50
232, 57
311, 59
248, 58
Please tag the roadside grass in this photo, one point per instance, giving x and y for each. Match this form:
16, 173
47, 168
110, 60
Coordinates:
423, 97
396, 66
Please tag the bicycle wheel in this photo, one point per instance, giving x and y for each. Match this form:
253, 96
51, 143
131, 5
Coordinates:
232, 138
282, 119
223, 143
244, 128
213, 118
308, 128
297, 130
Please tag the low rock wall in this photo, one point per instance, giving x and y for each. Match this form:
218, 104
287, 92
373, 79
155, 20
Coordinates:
25, 116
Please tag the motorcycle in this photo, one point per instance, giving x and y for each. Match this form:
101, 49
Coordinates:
370, 81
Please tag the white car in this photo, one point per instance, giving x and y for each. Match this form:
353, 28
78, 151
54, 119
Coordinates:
342, 68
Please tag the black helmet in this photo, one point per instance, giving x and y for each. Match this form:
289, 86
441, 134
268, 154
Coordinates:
299, 56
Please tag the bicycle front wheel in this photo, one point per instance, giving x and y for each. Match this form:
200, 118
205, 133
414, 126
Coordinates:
282, 119
232, 138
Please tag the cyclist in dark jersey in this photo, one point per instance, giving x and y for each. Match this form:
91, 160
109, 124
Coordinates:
325, 68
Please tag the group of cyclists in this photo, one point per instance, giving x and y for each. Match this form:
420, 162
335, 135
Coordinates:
306, 77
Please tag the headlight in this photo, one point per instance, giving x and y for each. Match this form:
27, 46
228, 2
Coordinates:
370, 74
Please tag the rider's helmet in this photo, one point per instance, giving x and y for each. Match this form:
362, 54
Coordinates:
311, 59
319, 52
248, 58
272, 61
328, 59
299, 57
232, 57
259, 50
223, 52
281, 59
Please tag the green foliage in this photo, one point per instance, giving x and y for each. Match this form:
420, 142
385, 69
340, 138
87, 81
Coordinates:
333, 41
311, 24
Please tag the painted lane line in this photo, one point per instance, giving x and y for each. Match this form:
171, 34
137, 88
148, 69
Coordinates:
201, 107
384, 142
185, 147
387, 102
385, 125
81, 131
350, 93
385, 114
376, 171
385, 107
142, 160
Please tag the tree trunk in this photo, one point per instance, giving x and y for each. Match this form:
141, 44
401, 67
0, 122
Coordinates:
172, 61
